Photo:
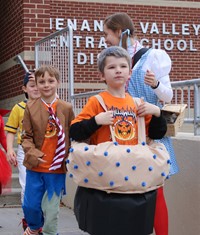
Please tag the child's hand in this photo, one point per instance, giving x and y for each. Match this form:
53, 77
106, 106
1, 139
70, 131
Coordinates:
11, 157
147, 108
150, 79
31, 76
41, 160
104, 118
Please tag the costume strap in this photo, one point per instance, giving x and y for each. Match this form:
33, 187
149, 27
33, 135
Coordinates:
138, 55
101, 101
141, 124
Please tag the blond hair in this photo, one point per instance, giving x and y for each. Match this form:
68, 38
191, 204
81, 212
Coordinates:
52, 71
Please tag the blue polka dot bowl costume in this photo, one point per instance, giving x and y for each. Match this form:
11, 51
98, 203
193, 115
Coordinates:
118, 168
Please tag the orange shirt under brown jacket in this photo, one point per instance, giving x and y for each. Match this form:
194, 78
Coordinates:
49, 144
36, 131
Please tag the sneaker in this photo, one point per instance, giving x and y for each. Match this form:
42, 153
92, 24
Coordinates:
24, 224
28, 231
40, 232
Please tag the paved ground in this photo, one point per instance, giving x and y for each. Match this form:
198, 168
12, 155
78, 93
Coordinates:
10, 222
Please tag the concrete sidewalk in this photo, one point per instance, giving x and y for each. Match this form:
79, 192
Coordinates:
10, 222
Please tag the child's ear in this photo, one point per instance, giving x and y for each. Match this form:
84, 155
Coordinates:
130, 73
101, 77
119, 32
58, 84
24, 88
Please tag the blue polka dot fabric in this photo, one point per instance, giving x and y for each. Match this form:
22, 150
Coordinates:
119, 168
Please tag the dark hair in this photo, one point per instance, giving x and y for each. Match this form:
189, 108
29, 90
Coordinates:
115, 51
52, 71
26, 80
26, 94
120, 21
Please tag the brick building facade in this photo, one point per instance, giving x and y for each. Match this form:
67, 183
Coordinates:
170, 25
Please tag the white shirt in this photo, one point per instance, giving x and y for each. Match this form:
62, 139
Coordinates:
158, 62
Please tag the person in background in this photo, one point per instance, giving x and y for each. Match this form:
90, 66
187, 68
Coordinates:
5, 169
99, 212
45, 141
14, 126
149, 80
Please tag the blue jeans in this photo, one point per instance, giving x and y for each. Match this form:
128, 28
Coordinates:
41, 206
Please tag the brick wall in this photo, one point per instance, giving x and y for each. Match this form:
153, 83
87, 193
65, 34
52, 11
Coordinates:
25, 22
11, 43
22, 23
36, 22
185, 63
11, 24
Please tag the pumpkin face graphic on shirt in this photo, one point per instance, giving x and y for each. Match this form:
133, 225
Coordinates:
124, 130
51, 129
125, 124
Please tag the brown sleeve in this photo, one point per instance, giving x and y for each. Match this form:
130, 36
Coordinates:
31, 152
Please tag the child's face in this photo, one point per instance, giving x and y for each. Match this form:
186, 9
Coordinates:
47, 87
116, 72
111, 38
31, 89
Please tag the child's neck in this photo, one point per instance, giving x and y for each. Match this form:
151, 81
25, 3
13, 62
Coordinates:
49, 101
120, 93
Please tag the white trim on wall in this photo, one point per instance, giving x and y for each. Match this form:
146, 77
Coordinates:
166, 3
25, 55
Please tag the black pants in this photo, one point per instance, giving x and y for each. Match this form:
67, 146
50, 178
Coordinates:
101, 213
